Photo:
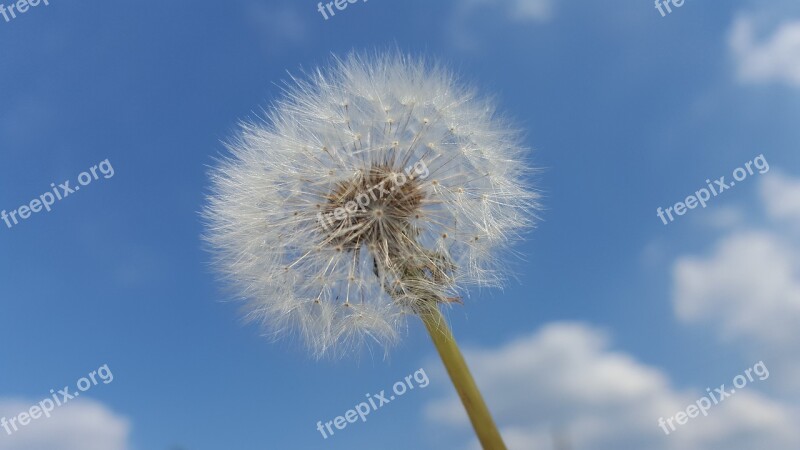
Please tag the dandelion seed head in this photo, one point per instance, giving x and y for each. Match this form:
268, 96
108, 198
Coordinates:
372, 189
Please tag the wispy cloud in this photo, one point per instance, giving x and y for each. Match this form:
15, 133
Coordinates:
528, 10
748, 288
467, 15
775, 58
281, 26
782, 197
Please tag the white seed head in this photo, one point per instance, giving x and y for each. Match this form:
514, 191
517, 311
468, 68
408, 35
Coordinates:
335, 220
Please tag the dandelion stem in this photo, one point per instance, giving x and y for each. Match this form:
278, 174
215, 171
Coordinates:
462, 379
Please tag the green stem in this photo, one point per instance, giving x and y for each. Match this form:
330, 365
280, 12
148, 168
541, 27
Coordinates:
462, 379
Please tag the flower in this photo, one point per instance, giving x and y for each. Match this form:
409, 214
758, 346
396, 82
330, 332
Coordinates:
372, 189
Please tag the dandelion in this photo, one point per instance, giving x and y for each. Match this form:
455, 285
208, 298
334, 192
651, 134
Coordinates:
373, 190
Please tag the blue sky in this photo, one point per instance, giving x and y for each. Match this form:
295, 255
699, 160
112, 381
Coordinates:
615, 320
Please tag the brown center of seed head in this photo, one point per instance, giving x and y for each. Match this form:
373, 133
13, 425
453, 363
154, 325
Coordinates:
376, 206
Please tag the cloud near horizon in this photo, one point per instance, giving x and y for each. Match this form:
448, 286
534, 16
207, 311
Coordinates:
566, 379
82, 425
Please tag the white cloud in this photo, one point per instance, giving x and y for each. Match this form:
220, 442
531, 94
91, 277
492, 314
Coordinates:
775, 58
565, 377
782, 197
530, 10
748, 289
82, 425
468, 14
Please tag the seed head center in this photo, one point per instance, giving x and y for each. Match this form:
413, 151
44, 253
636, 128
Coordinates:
375, 206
